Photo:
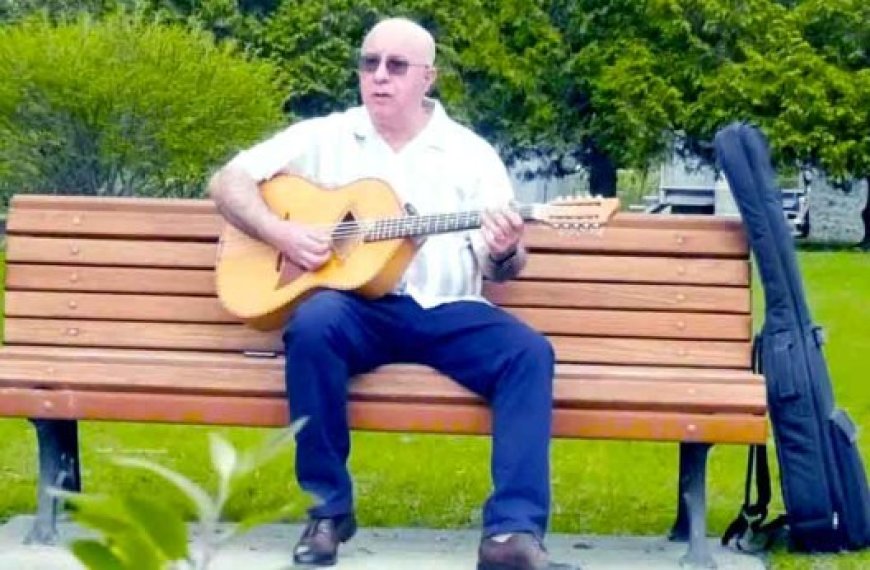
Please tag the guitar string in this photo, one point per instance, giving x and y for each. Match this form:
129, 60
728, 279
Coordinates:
388, 225
379, 235
385, 227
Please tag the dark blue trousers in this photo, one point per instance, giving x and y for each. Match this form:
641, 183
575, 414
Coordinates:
333, 336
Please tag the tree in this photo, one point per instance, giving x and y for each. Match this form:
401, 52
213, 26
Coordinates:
840, 31
124, 107
805, 87
497, 62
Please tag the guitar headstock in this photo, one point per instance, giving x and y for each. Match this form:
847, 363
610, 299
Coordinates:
576, 213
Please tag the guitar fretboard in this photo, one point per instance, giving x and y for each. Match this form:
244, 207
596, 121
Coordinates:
413, 226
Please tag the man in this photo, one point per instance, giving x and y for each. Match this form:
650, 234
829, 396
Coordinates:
436, 316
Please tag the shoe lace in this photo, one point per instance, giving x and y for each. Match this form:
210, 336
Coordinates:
318, 526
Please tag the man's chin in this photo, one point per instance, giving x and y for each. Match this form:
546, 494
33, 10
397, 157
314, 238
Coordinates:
379, 112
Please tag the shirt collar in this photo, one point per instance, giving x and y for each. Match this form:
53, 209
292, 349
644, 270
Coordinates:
431, 135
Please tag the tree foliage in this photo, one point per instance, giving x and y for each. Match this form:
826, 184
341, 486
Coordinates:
121, 107
603, 83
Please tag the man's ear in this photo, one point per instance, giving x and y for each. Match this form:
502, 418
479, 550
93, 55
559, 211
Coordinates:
431, 76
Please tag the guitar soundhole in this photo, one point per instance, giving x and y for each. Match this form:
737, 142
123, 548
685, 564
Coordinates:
345, 235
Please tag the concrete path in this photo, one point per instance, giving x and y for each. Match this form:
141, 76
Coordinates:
268, 548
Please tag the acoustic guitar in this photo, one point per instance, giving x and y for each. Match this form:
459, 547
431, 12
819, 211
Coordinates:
372, 240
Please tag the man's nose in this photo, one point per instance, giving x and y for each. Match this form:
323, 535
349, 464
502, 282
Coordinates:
381, 75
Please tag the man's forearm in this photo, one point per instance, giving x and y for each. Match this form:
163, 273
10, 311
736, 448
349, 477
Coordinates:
237, 198
504, 270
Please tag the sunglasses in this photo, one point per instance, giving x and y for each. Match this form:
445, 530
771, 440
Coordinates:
396, 66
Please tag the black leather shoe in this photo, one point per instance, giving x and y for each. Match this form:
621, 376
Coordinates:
522, 551
318, 545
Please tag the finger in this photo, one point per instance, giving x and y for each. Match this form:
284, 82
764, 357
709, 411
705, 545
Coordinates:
505, 220
511, 227
498, 234
486, 219
488, 238
505, 229
311, 261
323, 234
320, 237
311, 243
514, 219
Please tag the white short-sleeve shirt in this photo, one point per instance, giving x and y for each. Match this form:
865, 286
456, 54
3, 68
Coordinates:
445, 168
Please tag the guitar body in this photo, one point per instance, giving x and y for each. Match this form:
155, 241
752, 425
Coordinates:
256, 283
372, 238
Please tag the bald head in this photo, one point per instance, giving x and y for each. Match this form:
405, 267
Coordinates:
410, 35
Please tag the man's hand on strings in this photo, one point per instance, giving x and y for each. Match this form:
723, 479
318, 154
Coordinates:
307, 247
502, 231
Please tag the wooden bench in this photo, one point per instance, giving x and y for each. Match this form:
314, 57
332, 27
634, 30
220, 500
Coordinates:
111, 315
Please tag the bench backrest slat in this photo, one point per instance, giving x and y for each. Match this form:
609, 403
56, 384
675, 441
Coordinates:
137, 273
586, 322
197, 220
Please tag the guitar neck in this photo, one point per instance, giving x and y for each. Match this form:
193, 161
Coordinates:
415, 226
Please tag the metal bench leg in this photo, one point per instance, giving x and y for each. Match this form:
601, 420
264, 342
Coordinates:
58, 467
691, 523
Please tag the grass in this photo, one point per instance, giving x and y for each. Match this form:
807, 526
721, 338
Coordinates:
599, 487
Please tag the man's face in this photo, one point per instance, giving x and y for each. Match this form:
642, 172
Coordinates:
394, 77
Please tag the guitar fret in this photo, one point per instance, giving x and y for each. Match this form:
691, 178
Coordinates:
412, 226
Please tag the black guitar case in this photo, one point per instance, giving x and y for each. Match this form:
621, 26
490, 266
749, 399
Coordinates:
822, 477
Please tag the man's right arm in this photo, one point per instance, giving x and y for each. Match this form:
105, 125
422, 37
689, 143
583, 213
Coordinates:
237, 197
236, 193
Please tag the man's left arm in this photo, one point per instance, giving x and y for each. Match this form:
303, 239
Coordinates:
504, 254
499, 245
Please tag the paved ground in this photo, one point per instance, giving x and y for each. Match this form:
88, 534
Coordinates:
268, 548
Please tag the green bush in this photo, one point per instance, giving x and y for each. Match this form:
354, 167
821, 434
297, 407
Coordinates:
123, 106
143, 533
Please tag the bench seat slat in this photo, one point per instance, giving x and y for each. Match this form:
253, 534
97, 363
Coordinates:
389, 383
643, 324
380, 416
230, 337
178, 358
517, 294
